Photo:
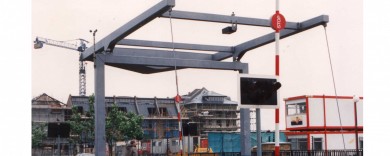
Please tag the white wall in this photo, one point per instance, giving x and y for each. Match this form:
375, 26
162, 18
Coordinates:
345, 106
316, 112
335, 141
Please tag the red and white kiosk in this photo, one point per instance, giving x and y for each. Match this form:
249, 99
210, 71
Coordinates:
317, 123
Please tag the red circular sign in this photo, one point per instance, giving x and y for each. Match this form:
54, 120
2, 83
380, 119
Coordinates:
278, 21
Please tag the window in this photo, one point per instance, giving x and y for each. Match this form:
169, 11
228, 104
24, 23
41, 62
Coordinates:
298, 143
122, 109
291, 109
301, 108
360, 142
163, 111
317, 143
56, 111
175, 142
152, 111
219, 123
296, 108
80, 109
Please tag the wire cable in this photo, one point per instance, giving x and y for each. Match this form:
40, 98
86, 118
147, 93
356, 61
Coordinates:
174, 53
334, 85
177, 98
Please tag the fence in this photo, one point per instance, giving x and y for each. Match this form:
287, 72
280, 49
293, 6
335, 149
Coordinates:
313, 153
51, 152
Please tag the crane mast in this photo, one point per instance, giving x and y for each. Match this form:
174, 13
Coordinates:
39, 41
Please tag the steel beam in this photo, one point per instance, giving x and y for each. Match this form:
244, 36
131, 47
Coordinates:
171, 62
241, 49
100, 107
185, 15
221, 56
160, 53
185, 46
108, 42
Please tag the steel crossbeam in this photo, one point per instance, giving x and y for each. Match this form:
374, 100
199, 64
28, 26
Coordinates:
242, 48
184, 46
225, 19
171, 62
108, 42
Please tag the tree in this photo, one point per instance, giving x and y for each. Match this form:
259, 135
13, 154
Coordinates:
120, 126
38, 134
82, 126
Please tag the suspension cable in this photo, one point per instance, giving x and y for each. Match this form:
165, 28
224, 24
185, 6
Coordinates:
173, 50
334, 85
177, 98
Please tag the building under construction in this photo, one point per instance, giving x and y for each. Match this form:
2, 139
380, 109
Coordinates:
159, 114
212, 112
46, 110
202, 111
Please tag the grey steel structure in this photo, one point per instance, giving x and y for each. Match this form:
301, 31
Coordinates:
153, 61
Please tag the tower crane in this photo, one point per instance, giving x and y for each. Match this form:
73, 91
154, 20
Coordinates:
81, 46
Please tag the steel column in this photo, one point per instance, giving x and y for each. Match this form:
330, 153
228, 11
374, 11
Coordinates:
258, 130
245, 132
100, 107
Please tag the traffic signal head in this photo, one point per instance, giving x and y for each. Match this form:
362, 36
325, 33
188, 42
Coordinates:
257, 91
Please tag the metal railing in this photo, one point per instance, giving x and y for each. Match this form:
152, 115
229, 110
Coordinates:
197, 154
313, 153
42, 152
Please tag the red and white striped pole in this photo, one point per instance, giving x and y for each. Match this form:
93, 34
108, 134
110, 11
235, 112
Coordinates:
278, 23
177, 101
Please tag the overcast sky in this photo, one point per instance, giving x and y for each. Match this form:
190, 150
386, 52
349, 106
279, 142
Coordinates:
304, 68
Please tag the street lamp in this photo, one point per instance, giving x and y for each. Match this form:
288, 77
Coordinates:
94, 43
355, 100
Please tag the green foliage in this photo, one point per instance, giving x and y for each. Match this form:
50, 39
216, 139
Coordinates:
80, 124
123, 126
120, 126
38, 134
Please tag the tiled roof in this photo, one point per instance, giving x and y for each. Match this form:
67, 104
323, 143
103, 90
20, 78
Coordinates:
133, 104
45, 99
197, 95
